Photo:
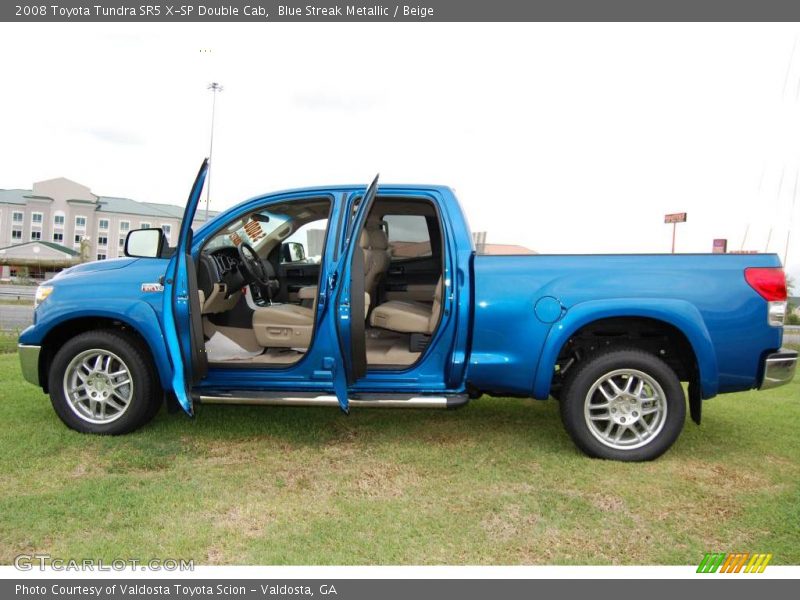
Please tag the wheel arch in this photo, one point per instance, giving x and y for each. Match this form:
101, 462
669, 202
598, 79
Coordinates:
677, 318
136, 322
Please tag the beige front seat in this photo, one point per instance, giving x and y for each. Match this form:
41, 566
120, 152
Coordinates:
288, 325
375, 245
409, 317
283, 325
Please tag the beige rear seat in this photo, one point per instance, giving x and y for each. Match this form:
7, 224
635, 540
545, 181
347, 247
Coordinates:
409, 317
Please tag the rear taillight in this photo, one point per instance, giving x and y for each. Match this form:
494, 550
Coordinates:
770, 283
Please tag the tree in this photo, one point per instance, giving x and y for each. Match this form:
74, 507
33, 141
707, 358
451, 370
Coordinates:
792, 318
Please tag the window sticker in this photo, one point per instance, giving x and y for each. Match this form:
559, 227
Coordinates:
254, 231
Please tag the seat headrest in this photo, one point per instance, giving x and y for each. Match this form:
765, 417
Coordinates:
373, 237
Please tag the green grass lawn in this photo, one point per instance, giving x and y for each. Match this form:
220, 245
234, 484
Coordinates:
497, 482
8, 342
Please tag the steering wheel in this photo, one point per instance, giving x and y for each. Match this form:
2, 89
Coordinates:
258, 271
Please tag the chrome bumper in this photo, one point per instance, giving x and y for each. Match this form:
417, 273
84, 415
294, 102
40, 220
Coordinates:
779, 369
29, 361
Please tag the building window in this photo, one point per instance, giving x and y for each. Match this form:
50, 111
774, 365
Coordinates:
36, 218
17, 217
144, 225
58, 237
16, 234
36, 236
101, 257
78, 238
167, 229
124, 225
80, 222
102, 240
102, 224
58, 219
121, 242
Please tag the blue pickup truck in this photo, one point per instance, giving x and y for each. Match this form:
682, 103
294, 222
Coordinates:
352, 297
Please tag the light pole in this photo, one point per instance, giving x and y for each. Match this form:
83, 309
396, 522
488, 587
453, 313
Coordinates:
214, 87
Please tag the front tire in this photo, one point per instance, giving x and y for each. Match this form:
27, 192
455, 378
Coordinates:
103, 382
623, 404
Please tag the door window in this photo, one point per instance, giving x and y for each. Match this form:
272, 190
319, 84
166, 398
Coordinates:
305, 245
409, 236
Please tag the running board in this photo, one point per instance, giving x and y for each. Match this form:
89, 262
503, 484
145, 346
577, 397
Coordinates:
312, 399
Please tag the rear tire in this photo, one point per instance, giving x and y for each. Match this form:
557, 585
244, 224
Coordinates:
623, 404
104, 382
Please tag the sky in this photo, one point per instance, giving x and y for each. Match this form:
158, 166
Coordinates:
565, 138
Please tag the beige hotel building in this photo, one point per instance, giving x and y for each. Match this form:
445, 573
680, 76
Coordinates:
47, 223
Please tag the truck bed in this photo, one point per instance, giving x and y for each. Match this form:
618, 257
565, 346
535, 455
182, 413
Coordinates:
707, 289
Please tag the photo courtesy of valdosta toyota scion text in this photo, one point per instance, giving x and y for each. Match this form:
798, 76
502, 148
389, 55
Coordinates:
559, 254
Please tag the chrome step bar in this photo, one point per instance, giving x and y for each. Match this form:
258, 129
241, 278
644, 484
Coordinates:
311, 399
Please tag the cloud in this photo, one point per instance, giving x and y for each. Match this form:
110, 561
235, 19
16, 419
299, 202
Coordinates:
316, 100
113, 136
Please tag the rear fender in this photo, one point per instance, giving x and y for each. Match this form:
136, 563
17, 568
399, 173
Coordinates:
680, 314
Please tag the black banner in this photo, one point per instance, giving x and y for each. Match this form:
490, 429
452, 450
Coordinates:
396, 589
416, 10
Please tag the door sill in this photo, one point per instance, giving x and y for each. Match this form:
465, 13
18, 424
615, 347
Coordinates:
362, 400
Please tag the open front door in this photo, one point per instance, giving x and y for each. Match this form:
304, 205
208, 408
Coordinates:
350, 305
183, 325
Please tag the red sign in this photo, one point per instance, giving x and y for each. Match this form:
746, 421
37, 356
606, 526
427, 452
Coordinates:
675, 218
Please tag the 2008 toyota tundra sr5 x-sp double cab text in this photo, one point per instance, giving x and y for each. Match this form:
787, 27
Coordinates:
376, 298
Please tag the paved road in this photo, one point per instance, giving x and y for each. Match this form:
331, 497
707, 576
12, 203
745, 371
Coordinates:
12, 292
15, 316
791, 335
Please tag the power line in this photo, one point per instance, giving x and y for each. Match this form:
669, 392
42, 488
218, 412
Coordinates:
777, 204
791, 218
758, 197
789, 67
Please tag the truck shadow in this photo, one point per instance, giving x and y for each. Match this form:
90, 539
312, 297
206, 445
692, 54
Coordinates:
486, 420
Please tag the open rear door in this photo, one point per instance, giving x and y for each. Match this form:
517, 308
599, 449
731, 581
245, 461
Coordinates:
350, 308
183, 325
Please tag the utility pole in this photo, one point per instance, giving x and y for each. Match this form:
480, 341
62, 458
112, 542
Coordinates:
214, 87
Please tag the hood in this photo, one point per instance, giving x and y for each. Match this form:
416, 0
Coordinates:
99, 265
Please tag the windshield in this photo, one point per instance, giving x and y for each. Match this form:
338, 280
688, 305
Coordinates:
253, 229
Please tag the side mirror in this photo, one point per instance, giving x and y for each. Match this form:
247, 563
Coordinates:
293, 252
144, 243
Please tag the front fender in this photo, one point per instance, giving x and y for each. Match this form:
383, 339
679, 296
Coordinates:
138, 315
679, 313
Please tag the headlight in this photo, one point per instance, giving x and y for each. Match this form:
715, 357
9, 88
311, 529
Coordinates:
42, 292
